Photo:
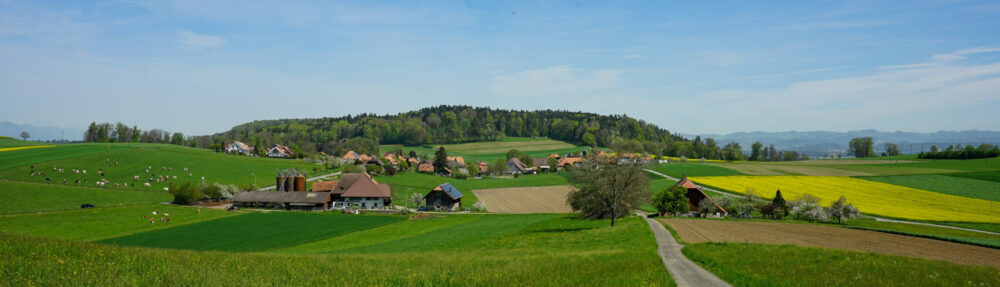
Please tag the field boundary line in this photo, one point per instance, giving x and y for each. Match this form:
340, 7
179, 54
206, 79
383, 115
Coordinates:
684, 271
931, 224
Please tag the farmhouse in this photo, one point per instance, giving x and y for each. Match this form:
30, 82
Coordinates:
695, 194
425, 168
239, 148
542, 164
286, 200
483, 167
358, 189
279, 151
569, 161
444, 197
351, 155
515, 165
457, 159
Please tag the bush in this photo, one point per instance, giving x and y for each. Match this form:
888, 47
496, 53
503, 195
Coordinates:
185, 193
479, 206
841, 210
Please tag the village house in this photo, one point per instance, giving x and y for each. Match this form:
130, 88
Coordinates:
351, 155
542, 164
425, 168
279, 151
515, 165
484, 167
569, 161
457, 159
238, 147
356, 189
695, 195
444, 197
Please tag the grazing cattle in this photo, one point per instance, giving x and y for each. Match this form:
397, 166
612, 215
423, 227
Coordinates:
146, 184
175, 177
86, 205
166, 189
85, 171
47, 180
185, 169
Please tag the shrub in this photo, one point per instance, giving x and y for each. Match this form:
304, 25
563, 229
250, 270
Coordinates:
185, 193
672, 200
479, 206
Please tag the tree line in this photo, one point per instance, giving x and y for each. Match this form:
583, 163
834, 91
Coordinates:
958, 152
122, 133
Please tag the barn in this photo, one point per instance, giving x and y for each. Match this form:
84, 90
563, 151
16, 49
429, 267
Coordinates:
444, 197
695, 194
284, 200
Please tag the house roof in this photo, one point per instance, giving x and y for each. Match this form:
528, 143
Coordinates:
281, 149
282, 197
541, 161
366, 186
392, 159
351, 155
517, 163
554, 155
242, 145
689, 185
569, 161
413, 160
448, 189
458, 159
324, 185
425, 167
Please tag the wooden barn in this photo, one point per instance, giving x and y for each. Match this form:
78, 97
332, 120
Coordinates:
444, 197
284, 200
695, 194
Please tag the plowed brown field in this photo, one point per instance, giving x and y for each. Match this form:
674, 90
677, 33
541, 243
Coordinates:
536, 199
695, 231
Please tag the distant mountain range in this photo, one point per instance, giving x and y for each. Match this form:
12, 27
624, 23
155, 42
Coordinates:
41, 133
822, 143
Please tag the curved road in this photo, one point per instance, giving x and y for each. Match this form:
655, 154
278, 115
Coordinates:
685, 272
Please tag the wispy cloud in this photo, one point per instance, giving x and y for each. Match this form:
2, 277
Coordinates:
558, 81
839, 25
198, 41
633, 56
938, 59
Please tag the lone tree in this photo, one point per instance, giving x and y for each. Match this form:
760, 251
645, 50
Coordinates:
608, 190
25, 136
440, 160
672, 200
841, 210
861, 147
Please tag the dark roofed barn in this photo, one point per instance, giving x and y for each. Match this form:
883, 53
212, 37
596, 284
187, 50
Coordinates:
285, 200
444, 197
695, 194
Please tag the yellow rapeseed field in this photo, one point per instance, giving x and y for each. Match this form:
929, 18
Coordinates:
25, 147
869, 197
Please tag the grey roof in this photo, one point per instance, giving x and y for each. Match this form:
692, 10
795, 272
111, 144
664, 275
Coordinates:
449, 189
284, 197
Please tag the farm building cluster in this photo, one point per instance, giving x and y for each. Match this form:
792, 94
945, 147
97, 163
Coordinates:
277, 151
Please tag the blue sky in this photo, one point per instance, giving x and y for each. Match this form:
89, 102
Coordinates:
201, 67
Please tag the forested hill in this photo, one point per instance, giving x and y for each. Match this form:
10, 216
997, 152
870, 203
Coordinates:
456, 124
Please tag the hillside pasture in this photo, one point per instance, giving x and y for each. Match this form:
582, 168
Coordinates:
134, 159
25, 157
404, 185
496, 250
537, 199
21, 197
742, 264
254, 231
101, 223
6, 142
981, 189
869, 197
697, 231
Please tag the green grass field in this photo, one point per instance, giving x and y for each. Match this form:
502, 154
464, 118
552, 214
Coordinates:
543, 250
20, 197
101, 223
133, 159
993, 176
959, 186
743, 264
404, 185
693, 169
6, 142
254, 231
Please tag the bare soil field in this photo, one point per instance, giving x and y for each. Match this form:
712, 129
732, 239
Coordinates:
535, 199
695, 231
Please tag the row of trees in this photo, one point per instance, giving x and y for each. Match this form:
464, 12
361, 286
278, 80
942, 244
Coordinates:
122, 133
758, 152
958, 152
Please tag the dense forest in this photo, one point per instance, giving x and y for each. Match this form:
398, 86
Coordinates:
445, 125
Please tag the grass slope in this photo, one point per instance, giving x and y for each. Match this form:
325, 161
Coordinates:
26, 157
404, 185
20, 197
254, 231
743, 264
133, 160
966, 187
6, 142
100, 223
558, 251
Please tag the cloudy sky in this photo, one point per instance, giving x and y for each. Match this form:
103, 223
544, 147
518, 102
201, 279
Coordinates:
201, 67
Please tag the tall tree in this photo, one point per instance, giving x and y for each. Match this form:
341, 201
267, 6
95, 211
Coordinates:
861, 147
440, 160
892, 149
606, 189
25, 136
756, 151
672, 200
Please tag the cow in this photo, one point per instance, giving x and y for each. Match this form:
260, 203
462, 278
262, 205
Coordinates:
86, 205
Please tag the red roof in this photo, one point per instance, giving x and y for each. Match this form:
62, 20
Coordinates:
569, 161
367, 187
425, 167
324, 185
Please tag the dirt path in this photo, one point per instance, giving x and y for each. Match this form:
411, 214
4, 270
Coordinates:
695, 230
726, 193
307, 180
684, 271
535, 199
